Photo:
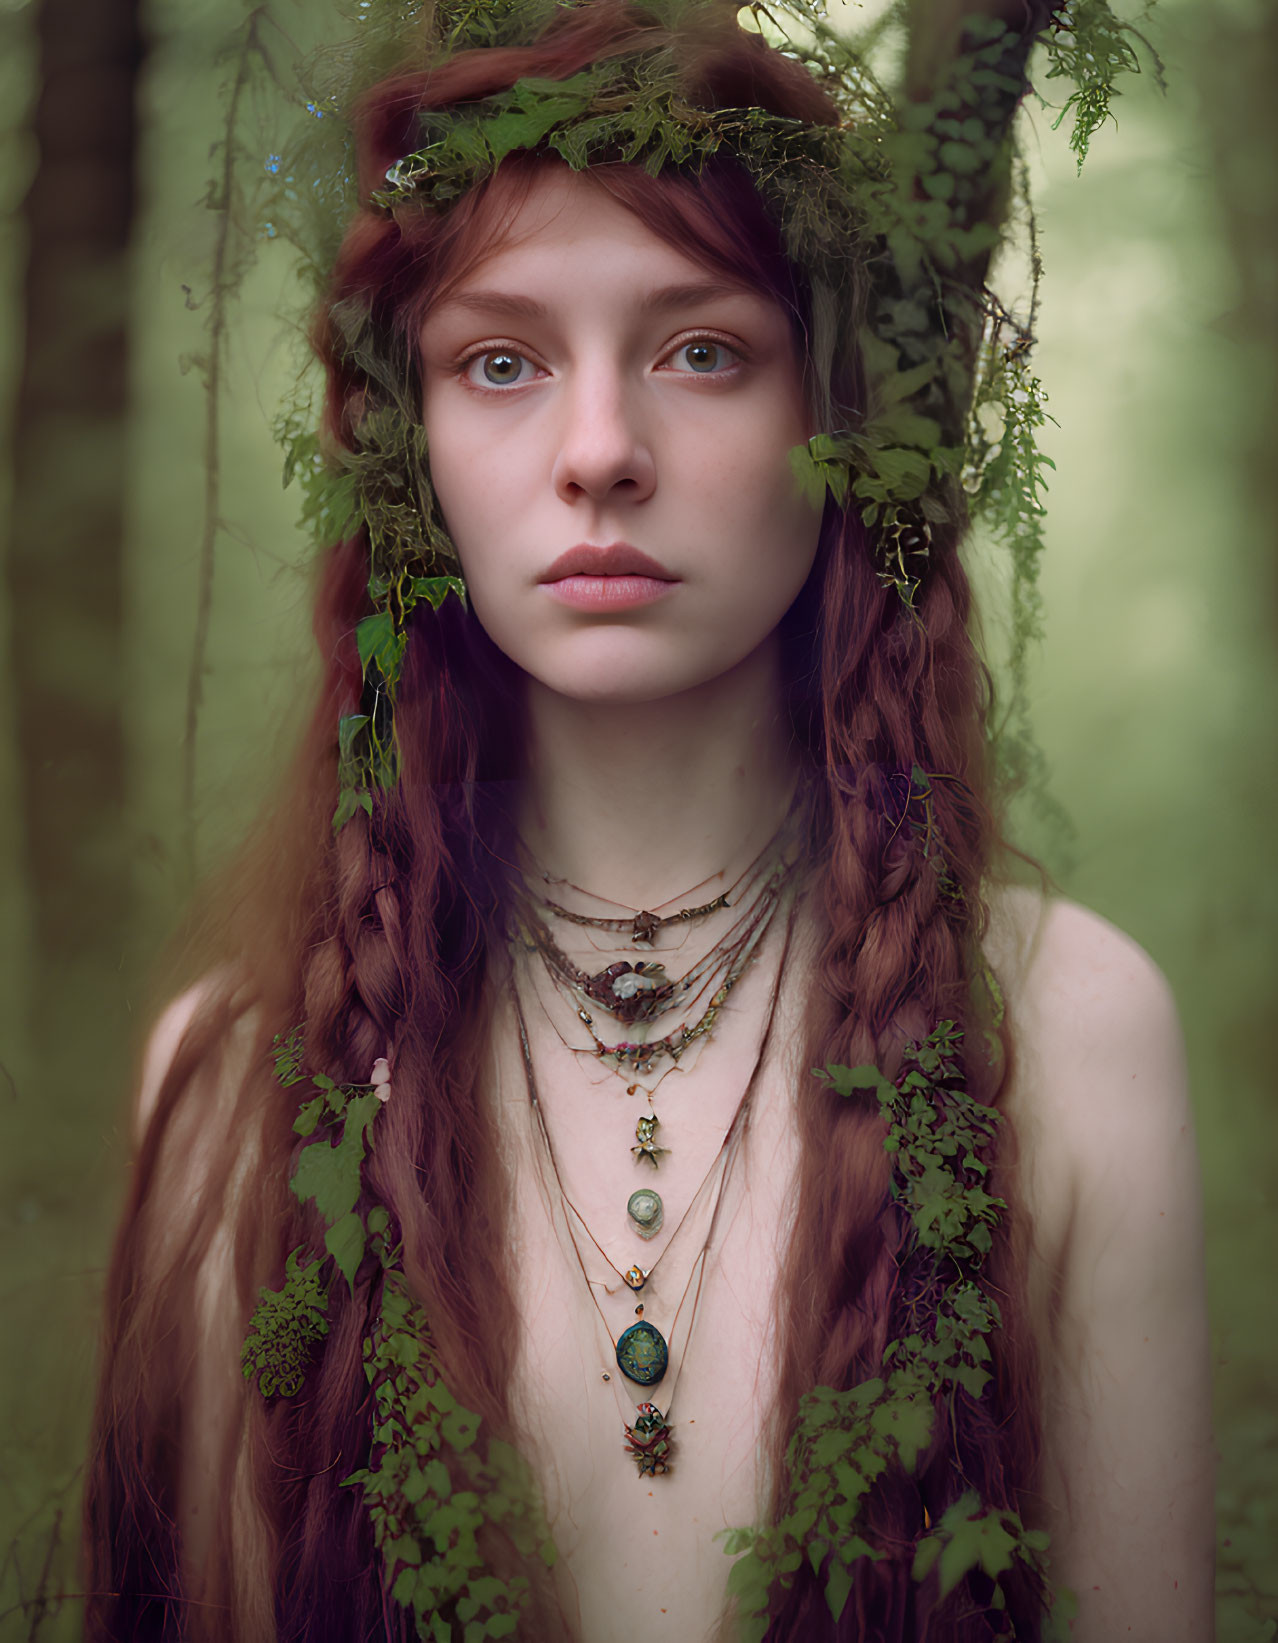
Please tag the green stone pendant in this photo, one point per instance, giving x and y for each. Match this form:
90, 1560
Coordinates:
642, 1354
645, 1211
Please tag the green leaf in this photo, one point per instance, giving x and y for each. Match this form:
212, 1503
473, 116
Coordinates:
1060, 1620
403, 1549
309, 1116
847, 1080
852, 1484
288, 1058
375, 636
460, 1428
968, 1537
925, 1556
865, 1393
838, 1587
973, 1379
808, 475
908, 1422
348, 728
285, 1326
748, 1581
962, 159
904, 427
435, 589
896, 386
329, 1176
939, 185
349, 802
344, 1241
436, 1479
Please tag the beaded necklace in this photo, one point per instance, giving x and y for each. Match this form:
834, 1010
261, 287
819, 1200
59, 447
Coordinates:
640, 991
731, 958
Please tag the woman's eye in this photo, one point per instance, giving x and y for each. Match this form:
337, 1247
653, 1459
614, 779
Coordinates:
704, 355
499, 368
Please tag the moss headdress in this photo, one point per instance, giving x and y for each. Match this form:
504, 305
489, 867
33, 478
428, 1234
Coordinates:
892, 216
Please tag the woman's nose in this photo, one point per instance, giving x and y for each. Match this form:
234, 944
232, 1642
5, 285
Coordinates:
603, 452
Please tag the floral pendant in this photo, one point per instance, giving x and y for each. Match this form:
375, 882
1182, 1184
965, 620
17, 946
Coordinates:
648, 1441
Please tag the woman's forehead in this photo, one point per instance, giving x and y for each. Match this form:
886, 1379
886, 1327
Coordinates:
557, 227
557, 212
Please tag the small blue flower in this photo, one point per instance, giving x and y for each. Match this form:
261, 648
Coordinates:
273, 163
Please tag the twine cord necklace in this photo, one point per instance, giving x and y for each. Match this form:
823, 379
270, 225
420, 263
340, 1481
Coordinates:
642, 924
642, 1351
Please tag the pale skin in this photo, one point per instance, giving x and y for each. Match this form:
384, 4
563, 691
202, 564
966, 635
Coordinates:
603, 439
658, 757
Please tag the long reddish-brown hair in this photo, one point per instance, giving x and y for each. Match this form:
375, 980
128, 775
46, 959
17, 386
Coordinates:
381, 940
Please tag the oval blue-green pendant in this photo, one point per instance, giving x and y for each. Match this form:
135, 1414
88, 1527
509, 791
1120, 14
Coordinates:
642, 1354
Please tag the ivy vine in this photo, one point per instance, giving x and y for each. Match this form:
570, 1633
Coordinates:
940, 1140
433, 1490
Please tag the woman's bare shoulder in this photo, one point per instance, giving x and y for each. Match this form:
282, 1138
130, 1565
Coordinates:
1098, 1094
1092, 1015
161, 1049
1045, 948
183, 1013
1100, 1104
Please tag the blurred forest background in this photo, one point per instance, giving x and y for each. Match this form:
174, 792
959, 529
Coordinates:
153, 644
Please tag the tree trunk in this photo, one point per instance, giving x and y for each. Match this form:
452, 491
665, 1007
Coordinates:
65, 563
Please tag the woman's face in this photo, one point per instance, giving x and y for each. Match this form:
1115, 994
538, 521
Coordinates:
609, 426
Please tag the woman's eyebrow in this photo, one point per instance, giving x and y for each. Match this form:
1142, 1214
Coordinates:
496, 302
665, 297
693, 291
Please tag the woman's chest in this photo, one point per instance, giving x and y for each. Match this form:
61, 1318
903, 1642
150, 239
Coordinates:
610, 1374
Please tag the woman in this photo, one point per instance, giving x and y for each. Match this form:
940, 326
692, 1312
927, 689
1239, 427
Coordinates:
539, 1257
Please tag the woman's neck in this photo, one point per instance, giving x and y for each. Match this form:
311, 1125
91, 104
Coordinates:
641, 803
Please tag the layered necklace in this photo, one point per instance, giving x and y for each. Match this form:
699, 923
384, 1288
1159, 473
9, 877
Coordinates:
637, 991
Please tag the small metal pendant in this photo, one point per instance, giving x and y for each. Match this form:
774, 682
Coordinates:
635, 1276
646, 1212
642, 1353
648, 1152
648, 1441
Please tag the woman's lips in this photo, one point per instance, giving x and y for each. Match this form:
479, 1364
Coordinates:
608, 592
616, 577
